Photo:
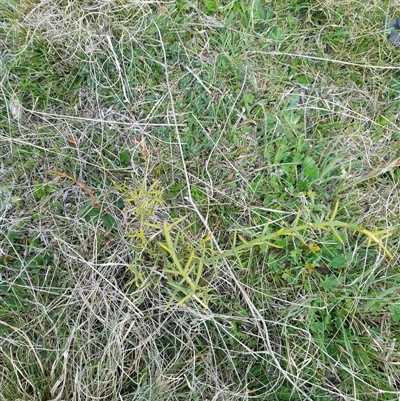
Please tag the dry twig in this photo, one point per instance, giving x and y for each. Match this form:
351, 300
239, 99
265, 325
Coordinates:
81, 185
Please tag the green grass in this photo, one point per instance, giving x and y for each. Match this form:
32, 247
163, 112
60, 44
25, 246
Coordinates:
191, 206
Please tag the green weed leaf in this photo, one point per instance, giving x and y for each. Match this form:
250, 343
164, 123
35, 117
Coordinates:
109, 221
248, 98
310, 168
330, 284
395, 311
125, 157
211, 5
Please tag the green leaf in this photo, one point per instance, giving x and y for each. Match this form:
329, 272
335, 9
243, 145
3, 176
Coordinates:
303, 185
174, 189
109, 221
310, 169
248, 98
295, 255
395, 311
125, 157
338, 262
282, 155
40, 191
92, 216
330, 284
277, 34
211, 5
12, 235
304, 80
197, 194
286, 394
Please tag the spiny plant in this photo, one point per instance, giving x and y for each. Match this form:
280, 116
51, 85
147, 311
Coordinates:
331, 225
184, 264
188, 263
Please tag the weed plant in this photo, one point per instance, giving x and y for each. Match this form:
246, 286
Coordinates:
199, 200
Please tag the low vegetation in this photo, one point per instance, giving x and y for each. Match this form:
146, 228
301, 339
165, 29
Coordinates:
199, 200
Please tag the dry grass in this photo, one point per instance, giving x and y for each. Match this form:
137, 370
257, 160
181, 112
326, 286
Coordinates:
157, 110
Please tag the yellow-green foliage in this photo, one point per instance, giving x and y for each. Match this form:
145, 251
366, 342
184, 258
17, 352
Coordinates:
331, 225
186, 262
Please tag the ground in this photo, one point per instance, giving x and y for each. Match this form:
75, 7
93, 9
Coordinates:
199, 200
